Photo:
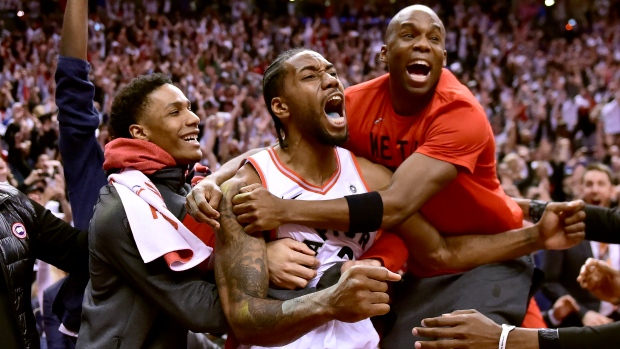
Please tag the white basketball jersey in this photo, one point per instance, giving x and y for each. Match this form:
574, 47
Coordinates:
331, 246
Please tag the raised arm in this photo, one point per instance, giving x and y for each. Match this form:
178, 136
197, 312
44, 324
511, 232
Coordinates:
243, 279
77, 116
74, 39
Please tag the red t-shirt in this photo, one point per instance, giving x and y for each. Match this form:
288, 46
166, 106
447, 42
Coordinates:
453, 128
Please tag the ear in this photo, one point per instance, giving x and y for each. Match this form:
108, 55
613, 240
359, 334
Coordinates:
383, 54
138, 132
445, 58
280, 108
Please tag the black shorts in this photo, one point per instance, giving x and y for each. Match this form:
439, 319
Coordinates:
500, 291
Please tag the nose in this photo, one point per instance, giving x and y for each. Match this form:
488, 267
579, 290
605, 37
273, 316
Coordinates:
329, 81
192, 119
421, 45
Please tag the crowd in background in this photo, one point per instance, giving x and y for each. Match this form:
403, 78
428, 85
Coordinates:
548, 77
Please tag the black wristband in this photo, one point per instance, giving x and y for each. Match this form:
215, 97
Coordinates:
548, 338
365, 212
537, 208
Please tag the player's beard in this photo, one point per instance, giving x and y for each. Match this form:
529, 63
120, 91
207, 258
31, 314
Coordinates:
316, 130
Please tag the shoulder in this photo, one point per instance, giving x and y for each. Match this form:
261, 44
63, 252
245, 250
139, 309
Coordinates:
455, 99
376, 176
109, 217
376, 85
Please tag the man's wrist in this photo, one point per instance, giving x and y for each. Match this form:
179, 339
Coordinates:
536, 210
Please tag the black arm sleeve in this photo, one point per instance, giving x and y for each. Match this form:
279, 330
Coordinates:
602, 224
599, 337
58, 243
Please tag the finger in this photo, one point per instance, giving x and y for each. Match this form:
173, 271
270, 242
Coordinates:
575, 228
378, 309
376, 273
240, 209
241, 198
447, 332
300, 247
246, 218
375, 286
575, 218
250, 188
446, 344
214, 202
576, 237
464, 312
294, 282
252, 228
302, 272
202, 204
571, 206
304, 260
444, 321
379, 298
195, 213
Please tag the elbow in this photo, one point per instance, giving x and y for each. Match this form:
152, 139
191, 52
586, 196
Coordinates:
435, 263
395, 212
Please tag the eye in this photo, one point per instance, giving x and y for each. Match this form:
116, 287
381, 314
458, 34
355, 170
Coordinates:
408, 35
174, 112
434, 38
334, 74
308, 77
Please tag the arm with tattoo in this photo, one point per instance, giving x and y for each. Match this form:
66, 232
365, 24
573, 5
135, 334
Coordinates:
243, 279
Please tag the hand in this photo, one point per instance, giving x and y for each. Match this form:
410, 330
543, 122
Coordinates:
561, 225
360, 293
202, 199
593, 318
34, 176
257, 209
564, 306
371, 262
602, 280
466, 329
291, 263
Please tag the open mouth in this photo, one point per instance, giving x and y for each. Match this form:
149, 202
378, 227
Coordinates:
191, 138
419, 70
334, 109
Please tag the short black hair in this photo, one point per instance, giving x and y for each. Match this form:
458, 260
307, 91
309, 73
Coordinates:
272, 86
130, 101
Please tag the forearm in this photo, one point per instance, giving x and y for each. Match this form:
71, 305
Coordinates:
523, 338
74, 39
66, 209
602, 224
600, 337
243, 281
469, 251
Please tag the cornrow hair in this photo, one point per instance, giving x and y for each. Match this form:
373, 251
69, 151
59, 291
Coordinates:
272, 87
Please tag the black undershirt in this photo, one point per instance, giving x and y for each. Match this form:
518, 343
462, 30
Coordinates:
9, 333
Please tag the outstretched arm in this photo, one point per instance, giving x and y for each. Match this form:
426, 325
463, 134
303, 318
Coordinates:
435, 253
243, 280
77, 116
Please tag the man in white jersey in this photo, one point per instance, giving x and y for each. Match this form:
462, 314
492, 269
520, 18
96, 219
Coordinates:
306, 164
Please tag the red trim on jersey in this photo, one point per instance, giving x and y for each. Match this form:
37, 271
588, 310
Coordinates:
259, 171
292, 175
359, 172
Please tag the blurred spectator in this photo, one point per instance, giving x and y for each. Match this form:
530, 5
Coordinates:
562, 267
